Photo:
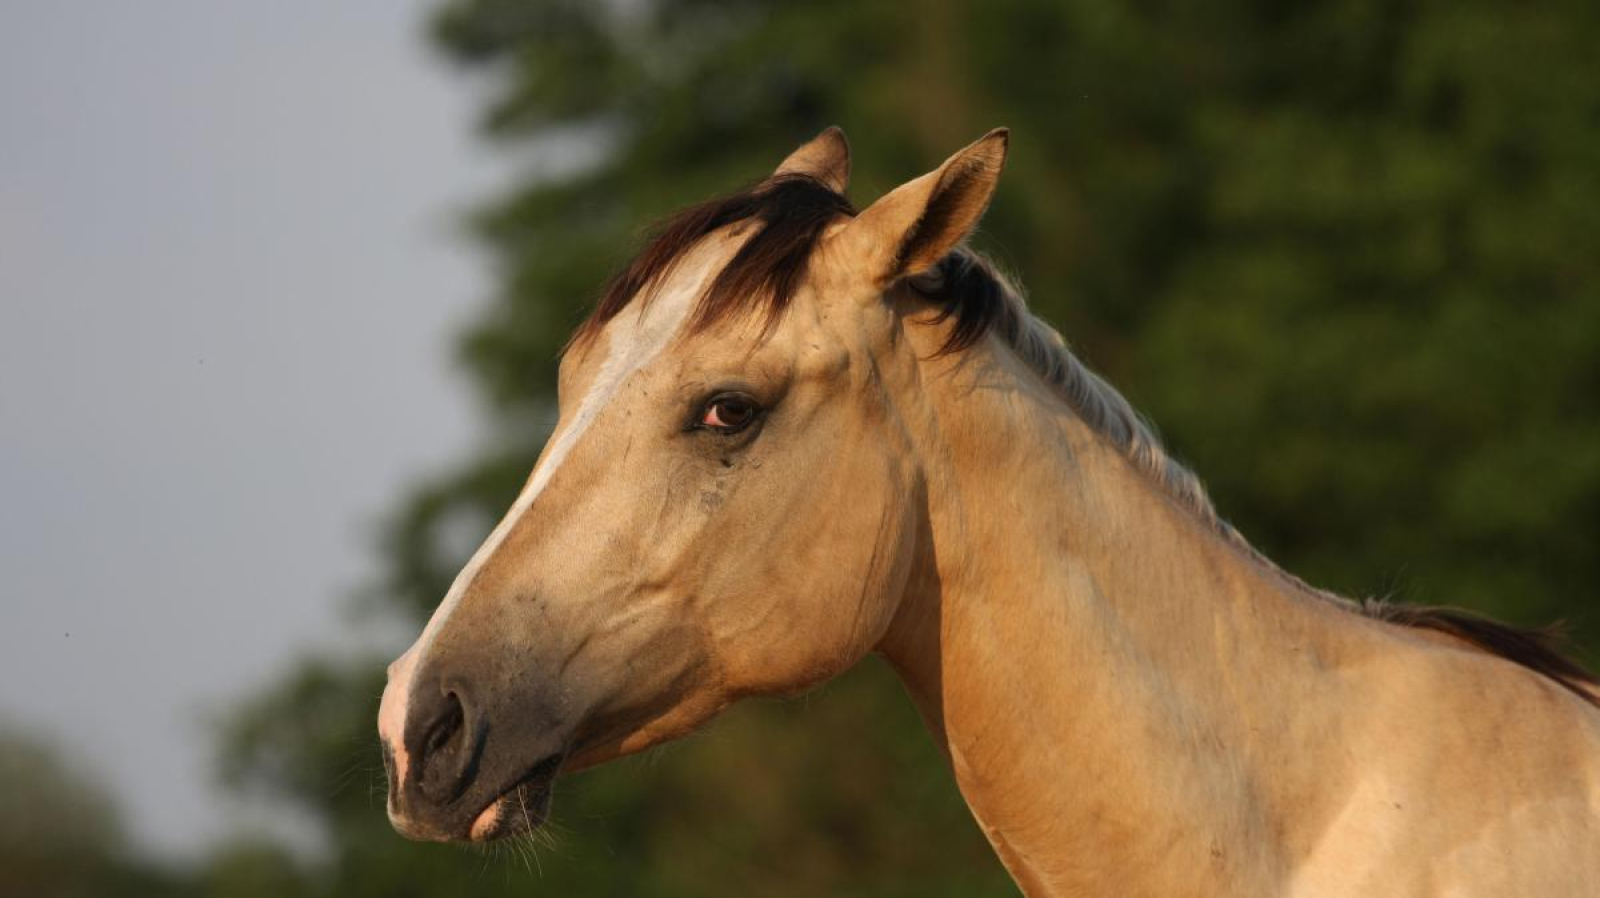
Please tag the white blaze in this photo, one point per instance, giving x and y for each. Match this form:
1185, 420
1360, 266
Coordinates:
633, 345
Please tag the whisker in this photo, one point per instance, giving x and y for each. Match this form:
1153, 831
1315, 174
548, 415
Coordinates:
527, 822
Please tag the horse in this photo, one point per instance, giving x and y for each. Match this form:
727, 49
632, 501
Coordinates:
793, 433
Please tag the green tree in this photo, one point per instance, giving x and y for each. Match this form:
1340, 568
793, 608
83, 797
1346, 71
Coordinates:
1339, 251
60, 833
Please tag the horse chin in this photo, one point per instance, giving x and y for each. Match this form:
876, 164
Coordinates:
520, 809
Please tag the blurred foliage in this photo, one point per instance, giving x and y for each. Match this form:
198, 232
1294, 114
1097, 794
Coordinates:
60, 836
1341, 251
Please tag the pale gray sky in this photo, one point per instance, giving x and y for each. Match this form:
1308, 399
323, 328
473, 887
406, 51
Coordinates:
229, 273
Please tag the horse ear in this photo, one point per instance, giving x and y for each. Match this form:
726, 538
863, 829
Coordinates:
912, 227
825, 157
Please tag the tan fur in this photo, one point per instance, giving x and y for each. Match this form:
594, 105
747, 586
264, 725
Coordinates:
825, 157
1132, 701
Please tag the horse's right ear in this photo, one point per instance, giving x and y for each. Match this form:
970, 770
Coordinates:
912, 227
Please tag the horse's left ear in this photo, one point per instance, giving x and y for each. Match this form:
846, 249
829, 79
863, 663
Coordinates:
912, 227
825, 157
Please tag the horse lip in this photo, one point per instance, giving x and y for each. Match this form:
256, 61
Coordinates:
521, 805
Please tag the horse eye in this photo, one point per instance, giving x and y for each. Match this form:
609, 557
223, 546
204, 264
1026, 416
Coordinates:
728, 413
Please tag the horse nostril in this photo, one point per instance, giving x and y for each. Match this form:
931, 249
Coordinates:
445, 743
446, 727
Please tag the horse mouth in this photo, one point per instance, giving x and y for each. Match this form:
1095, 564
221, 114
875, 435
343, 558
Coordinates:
523, 807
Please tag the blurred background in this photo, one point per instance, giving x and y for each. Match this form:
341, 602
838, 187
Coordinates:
283, 286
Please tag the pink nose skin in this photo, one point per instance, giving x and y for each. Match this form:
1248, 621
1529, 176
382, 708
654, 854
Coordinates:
392, 720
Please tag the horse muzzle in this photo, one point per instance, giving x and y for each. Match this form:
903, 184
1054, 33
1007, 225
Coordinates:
464, 769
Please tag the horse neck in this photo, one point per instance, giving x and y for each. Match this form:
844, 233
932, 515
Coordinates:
1120, 691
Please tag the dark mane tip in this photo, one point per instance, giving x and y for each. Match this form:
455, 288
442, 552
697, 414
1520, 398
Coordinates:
789, 213
965, 286
1539, 650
